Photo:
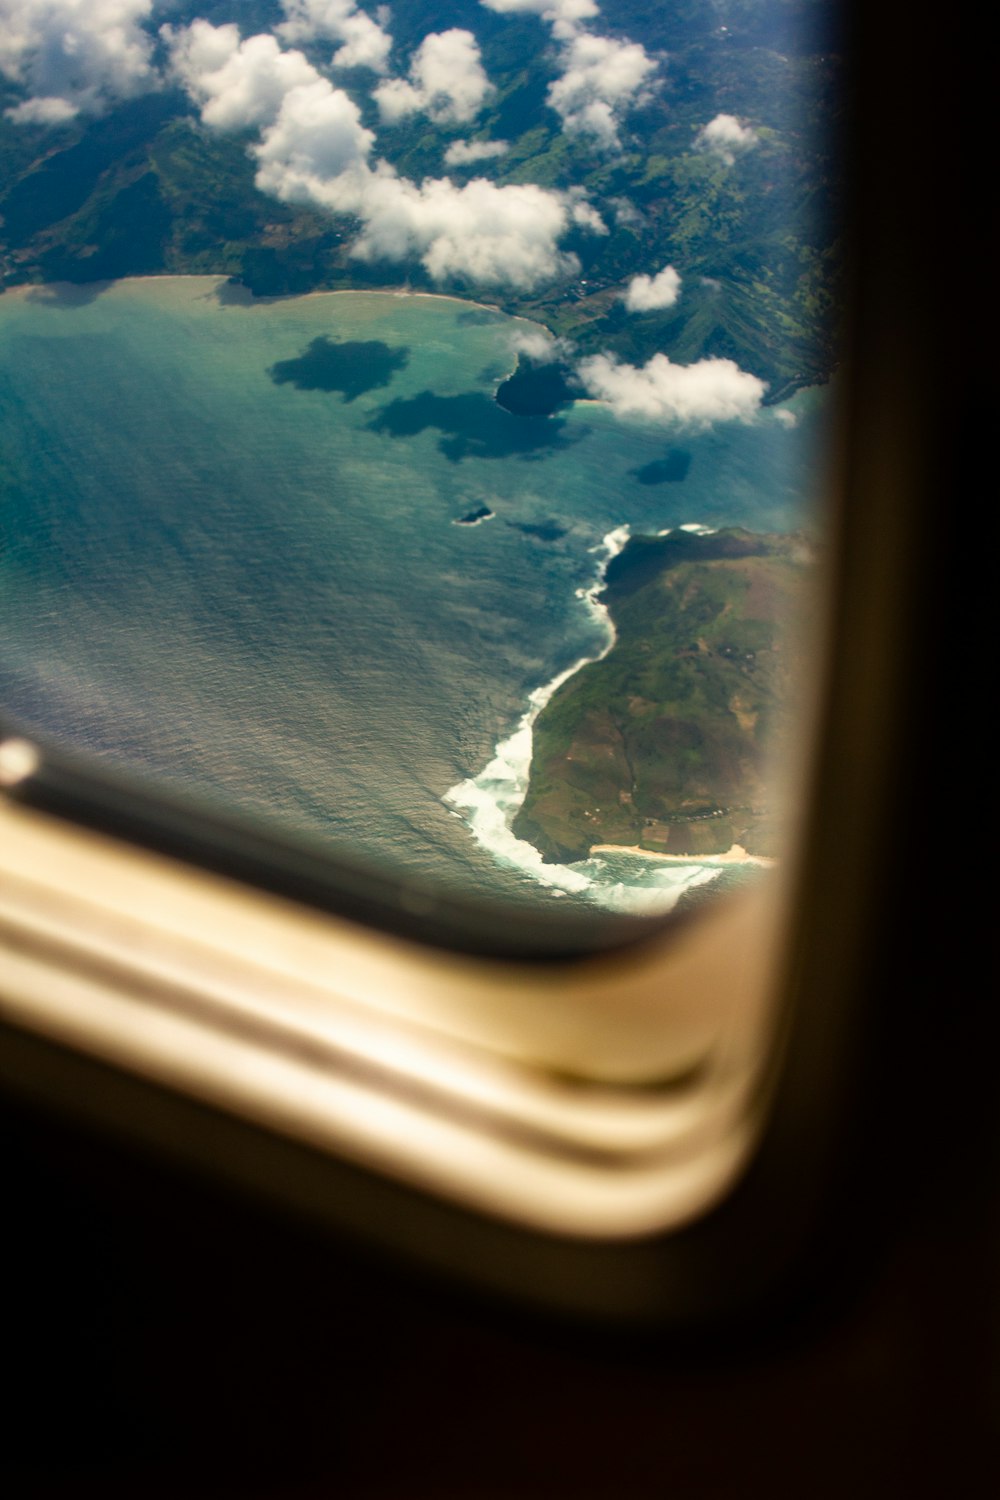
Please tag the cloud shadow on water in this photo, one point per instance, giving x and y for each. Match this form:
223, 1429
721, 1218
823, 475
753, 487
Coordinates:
477, 317
669, 470
473, 426
68, 294
232, 293
351, 367
544, 531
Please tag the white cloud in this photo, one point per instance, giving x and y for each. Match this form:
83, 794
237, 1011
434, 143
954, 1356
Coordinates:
398, 98
317, 152
583, 213
317, 149
446, 81
314, 149
462, 153
236, 83
601, 78
646, 293
50, 110
539, 345
625, 211
494, 236
726, 138
785, 416
366, 43
698, 395
74, 56
564, 15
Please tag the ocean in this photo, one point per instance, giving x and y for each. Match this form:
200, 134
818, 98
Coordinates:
291, 556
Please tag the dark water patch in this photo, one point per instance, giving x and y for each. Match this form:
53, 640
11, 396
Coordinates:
545, 531
538, 390
68, 294
233, 293
729, 881
478, 317
351, 366
671, 469
473, 427
473, 517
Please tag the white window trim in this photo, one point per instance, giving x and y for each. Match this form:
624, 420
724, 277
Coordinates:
608, 1098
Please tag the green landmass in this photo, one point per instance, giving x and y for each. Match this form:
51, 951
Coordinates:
670, 741
146, 189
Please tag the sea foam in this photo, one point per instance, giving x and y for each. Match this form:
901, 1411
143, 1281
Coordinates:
489, 802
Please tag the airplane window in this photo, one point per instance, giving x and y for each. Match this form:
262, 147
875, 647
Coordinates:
371, 396
414, 431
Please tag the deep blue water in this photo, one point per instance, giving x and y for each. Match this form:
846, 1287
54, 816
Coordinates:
230, 552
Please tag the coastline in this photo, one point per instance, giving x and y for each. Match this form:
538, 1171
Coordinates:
734, 855
223, 278
488, 803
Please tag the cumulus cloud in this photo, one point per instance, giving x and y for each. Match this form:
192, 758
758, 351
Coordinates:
74, 56
647, 293
48, 110
583, 212
237, 83
563, 15
540, 345
786, 417
494, 236
601, 78
726, 138
446, 81
317, 149
625, 211
698, 395
365, 42
314, 149
462, 153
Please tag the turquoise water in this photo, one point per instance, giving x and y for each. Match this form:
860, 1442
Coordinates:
232, 552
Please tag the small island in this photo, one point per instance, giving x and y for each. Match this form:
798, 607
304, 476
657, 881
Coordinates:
668, 744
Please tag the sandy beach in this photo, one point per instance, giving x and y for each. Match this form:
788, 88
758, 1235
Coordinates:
736, 855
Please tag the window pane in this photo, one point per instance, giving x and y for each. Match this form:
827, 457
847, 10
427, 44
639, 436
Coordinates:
422, 448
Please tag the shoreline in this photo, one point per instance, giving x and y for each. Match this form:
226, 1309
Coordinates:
734, 855
488, 801
223, 278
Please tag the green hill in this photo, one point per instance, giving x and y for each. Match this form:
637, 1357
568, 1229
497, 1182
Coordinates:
670, 741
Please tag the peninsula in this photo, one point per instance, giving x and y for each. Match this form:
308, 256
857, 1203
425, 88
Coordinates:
668, 743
